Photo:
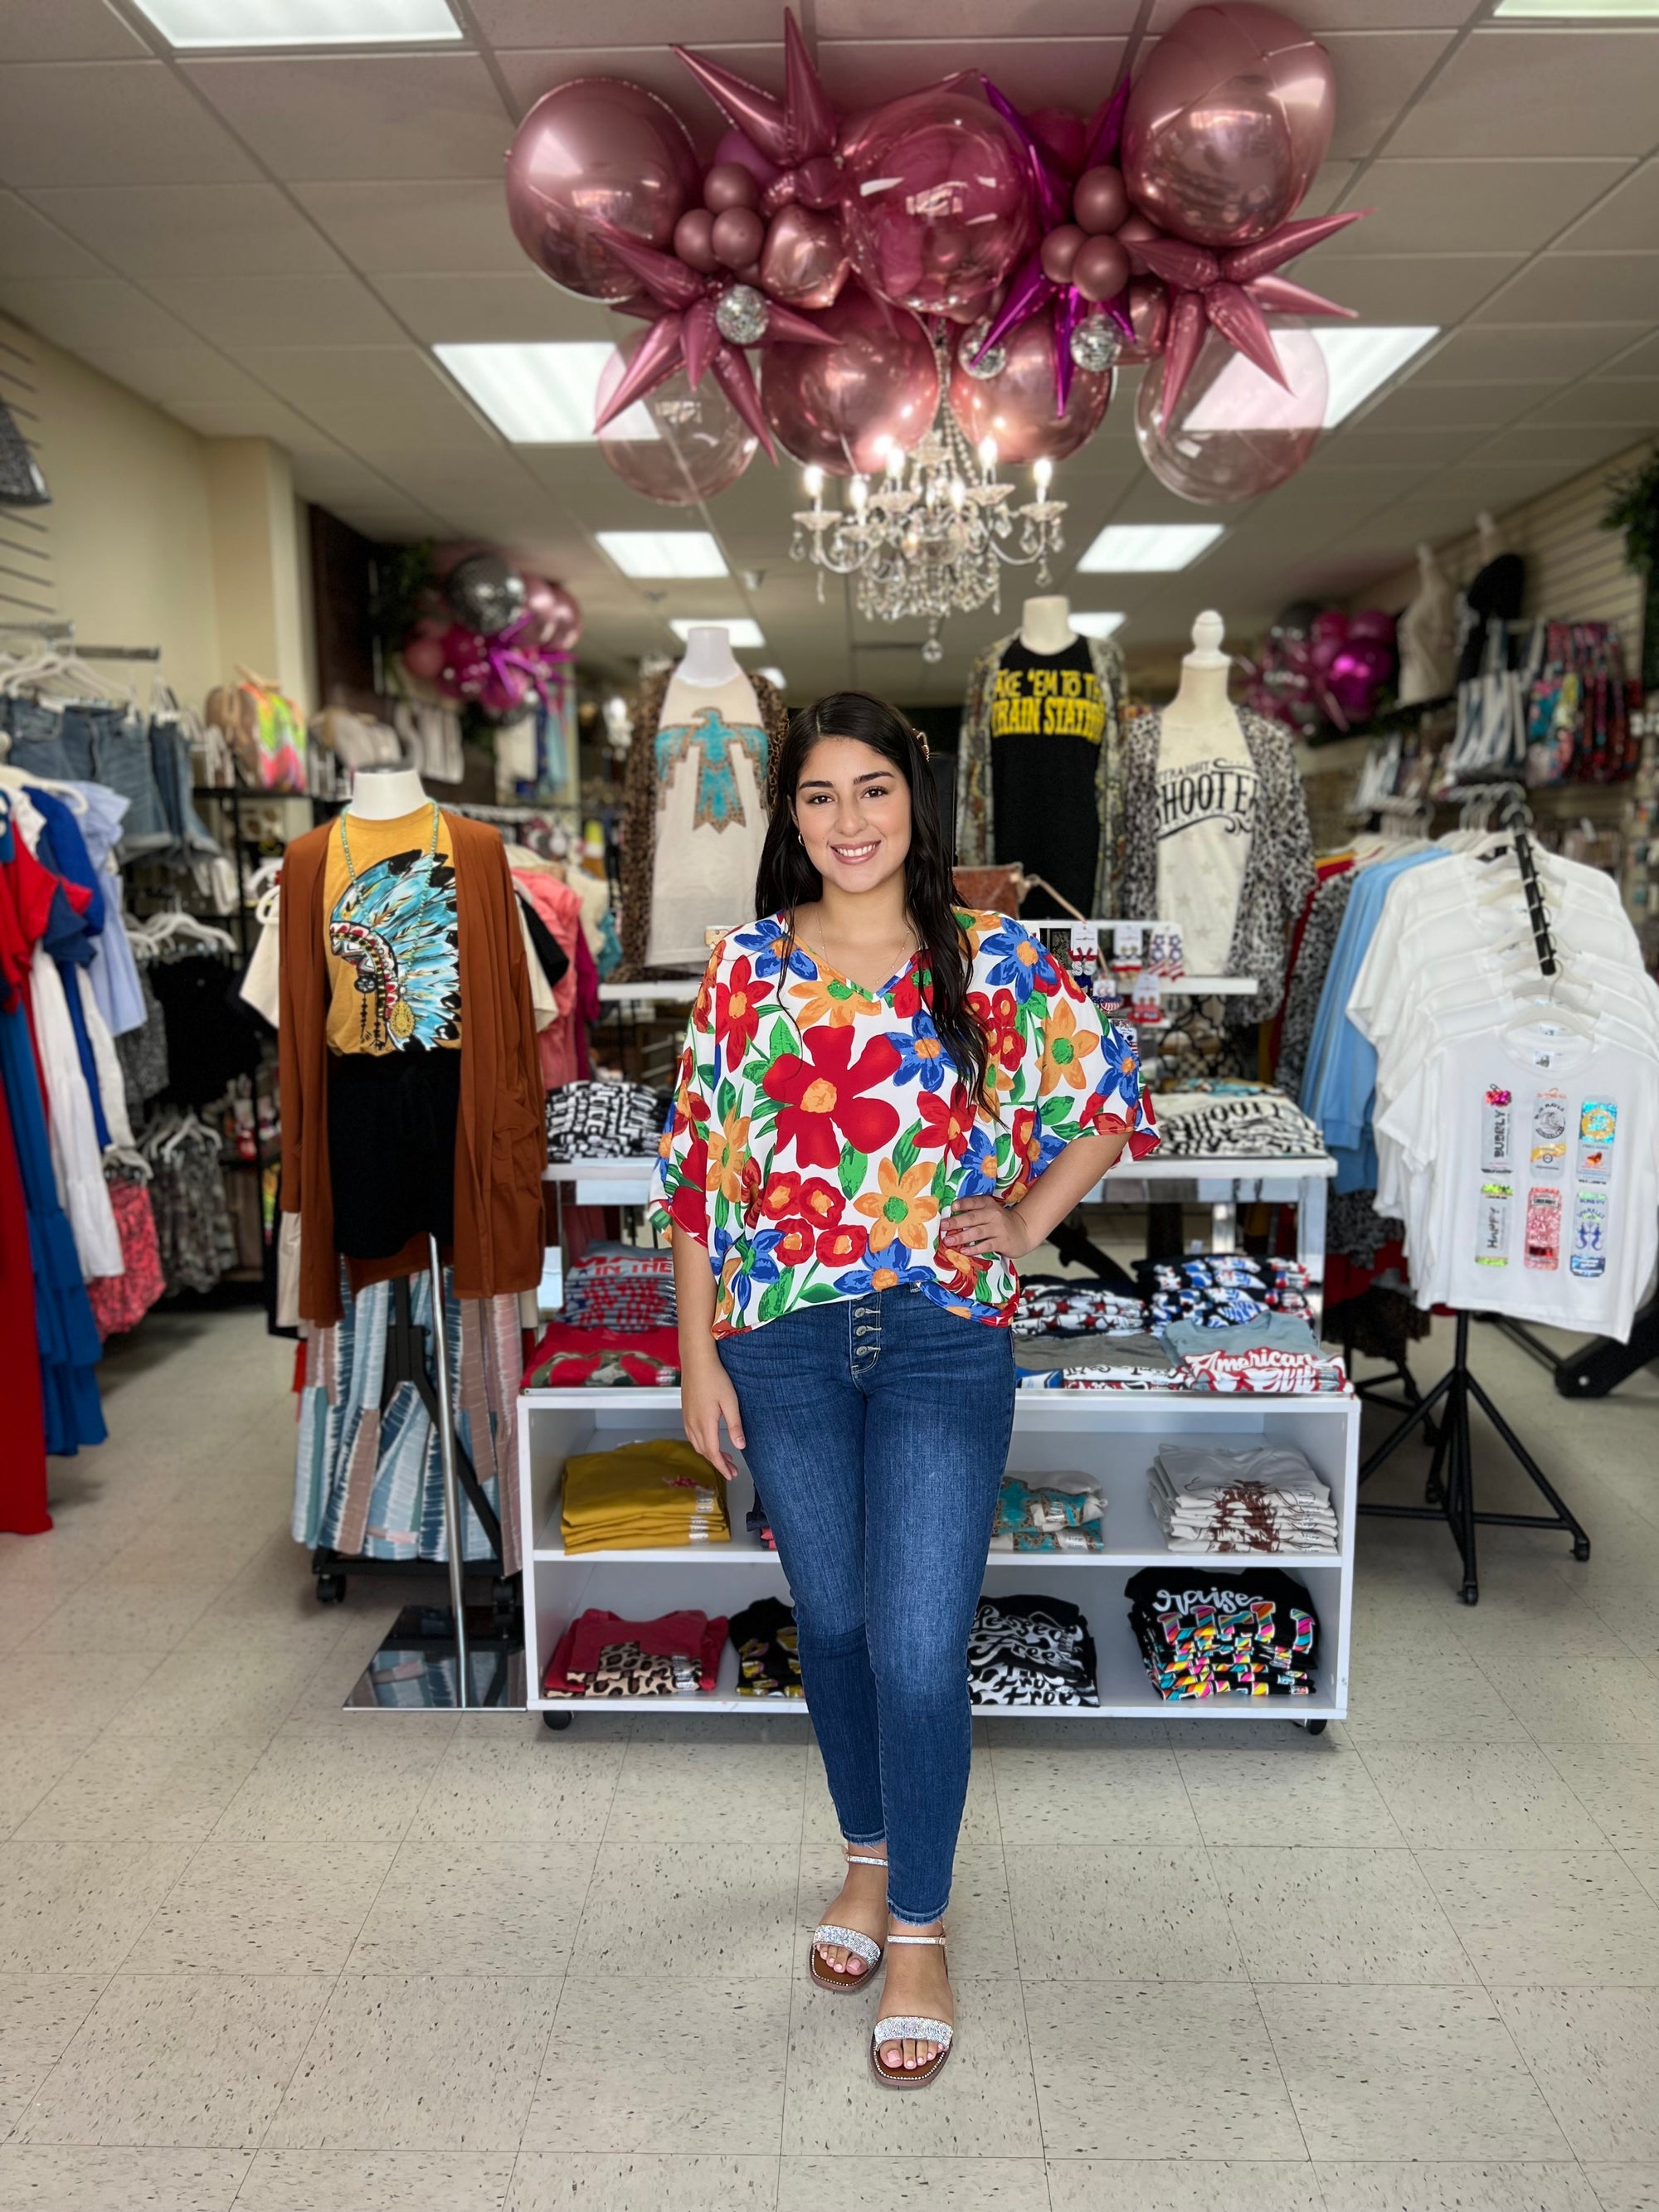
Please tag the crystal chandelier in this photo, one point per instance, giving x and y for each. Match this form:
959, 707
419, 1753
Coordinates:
931, 535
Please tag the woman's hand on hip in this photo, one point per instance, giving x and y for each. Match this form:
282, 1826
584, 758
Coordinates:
707, 1395
983, 1226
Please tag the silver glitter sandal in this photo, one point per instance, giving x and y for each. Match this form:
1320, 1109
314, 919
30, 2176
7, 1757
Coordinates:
911, 2027
850, 1939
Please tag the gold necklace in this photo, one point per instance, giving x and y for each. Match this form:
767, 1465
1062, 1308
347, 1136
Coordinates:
908, 949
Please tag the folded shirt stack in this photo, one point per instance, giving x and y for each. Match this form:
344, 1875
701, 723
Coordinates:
566, 1357
1253, 1635
1266, 1500
642, 1496
622, 1286
757, 1523
1222, 1287
1049, 1516
601, 1655
1030, 1651
768, 1657
1257, 1124
1279, 1353
598, 1119
1059, 1305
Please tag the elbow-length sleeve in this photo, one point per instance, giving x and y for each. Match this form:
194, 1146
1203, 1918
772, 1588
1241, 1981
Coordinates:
679, 1182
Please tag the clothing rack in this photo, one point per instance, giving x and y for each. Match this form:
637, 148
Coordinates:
1450, 1493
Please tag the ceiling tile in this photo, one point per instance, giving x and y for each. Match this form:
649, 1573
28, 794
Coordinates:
1630, 406
328, 118
1377, 73
327, 477
32, 246
1405, 287
642, 23
1495, 485
1642, 361
191, 230
1524, 352
402, 378
441, 225
263, 418
530, 73
1627, 221
178, 374
1033, 72
524, 307
109, 122
65, 31
1578, 288
1536, 92
996, 24
1360, 444
1327, 188
1473, 207
102, 312
1531, 443
1419, 406
264, 311
386, 522
1322, 16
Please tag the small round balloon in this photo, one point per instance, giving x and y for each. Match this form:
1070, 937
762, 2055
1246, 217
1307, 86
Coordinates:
554, 621
597, 151
675, 445
844, 407
936, 204
1235, 434
423, 655
486, 592
1016, 408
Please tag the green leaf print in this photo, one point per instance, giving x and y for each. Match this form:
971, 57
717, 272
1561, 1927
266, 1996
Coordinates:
774, 1300
819, 1294
725, 1098
852, 1171
781, 1039
942, 1188
905, 1151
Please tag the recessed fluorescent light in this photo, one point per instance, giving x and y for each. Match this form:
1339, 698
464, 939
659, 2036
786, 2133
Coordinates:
541, 395
1580, 10
300, 22
1127, 549
1359, 358
775, 676
1096, 625
739, 630
664, 552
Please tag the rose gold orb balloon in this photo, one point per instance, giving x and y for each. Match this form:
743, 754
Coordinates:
424, 655
595, 151
730, 184
1235, 433
1101, 269
1149, 312
1062, 134
675, 445
737, 236
936, 202
845, 406
804, 262
1017, 406
694, 240
1228, 123
1059, 252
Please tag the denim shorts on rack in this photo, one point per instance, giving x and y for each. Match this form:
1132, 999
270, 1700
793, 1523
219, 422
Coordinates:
121, 759
45, 742
170, 758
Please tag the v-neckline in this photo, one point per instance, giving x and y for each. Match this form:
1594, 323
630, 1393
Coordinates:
823, 962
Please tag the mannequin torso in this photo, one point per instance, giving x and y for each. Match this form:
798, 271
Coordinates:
1045, 625
381, 794
711, 815
1047, 724
1206, 793
1428, 635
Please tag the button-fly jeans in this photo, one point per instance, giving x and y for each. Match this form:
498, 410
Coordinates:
876, 1431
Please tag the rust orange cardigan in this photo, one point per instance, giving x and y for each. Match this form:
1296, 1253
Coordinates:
501, 1144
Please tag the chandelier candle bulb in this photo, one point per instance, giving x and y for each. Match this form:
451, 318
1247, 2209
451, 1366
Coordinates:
988, 457
1042, 476
857, 492
959, 493
813, 480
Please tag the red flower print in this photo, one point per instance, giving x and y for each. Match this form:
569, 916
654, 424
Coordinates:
819, 1201
738, 1009
960, 1270
842, 1247
907, 996
822, 1095
795, 1244
999, 1017
689, 1207
947, 1123
778, 1199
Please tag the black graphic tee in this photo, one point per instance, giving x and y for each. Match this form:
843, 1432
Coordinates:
1048, 722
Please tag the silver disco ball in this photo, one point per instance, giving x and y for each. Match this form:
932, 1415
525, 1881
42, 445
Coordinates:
741, 315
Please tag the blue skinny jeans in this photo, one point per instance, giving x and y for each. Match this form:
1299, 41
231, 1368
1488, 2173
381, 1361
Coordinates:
877, 1432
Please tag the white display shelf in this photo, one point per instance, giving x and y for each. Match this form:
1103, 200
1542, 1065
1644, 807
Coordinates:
1107, 1439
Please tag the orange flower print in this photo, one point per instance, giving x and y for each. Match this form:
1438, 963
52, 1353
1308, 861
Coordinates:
900, 1206
1065, 1050
819, 1004
728, 1156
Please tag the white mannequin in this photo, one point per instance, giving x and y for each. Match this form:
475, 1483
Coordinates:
1427, 633
1045, 626
710, 659
382, 794
1207, 800
1490, 536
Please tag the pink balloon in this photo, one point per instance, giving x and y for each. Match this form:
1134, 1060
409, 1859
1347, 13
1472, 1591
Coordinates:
730, 184
1017, 406
553, 620
1062, 135
738, 146
843, 407
465, 667
503, 691
936, 201
1149, 312
1101, 200
804, 262
564, 626
423, 656
1101, 269
1228, 123
698, 444
594, 151
694, 241
1059, 252
737, 236
1234, 433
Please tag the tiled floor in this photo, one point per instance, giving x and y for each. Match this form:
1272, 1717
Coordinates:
257, 1952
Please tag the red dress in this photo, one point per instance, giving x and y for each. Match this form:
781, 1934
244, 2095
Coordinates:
23, 1459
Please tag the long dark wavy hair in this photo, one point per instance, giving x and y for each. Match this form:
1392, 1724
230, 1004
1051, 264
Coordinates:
786, 878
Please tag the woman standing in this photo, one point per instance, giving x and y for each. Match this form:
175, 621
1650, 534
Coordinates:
882, 1103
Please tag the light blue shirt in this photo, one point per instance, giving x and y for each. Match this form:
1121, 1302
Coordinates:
113, 973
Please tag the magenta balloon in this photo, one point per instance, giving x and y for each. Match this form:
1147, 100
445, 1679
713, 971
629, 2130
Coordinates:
1062, 135
565, 634
595, 151
699, 446
1228, 123
738, 146
730, 184
844, 407
1059, 252
1100, 201
1234, 432
423, 656
737, 236
694, 240
1101, 269
804, 262
936, 200
1017, 406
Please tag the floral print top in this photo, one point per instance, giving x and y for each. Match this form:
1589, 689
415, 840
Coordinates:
819, 1131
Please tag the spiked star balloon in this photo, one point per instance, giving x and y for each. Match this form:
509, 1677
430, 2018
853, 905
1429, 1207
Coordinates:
686, 329
797, 133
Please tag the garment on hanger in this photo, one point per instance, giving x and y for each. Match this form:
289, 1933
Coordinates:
121, 1302
1045, 823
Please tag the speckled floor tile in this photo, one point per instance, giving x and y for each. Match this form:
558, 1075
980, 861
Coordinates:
476, 1909
1325, 1796
1108, 2185
154, 1789
134, 1616
1644, 1865
33, 1761
1386, 1701
1074, 1795
1127, 1913
78, 1908
71, 1689
1323, 1915
1624, 2188
420, 2062
1617, 1786
50, 2178
680, 1793
1550, 1918
512, 1786
1460, 1796
1431, 2073
1596, 2056
40, 2015
979, 1922
262, 1909
1578, 1698
638, 2064
697, 2181
329, 1789
678, 1909
1101, 2052
854, 2184
375, 2181
1455, 2185
164, 2061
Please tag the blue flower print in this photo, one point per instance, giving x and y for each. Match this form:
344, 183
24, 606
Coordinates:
1120, 1077
1020, 961
761, 1265
976, 1171
765, 940
883, 1271
921, 1054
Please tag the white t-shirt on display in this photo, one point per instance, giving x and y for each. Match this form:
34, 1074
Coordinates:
711, 816
1206, 798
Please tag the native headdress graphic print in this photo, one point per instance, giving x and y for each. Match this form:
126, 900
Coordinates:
715, 741
396, 926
